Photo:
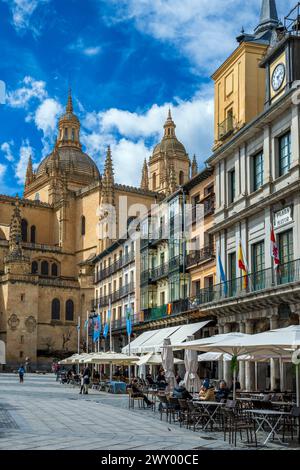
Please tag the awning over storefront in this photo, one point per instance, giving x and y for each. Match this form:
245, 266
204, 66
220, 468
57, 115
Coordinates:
2, 353
152, 341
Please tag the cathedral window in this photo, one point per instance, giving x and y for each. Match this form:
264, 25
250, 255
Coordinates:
66, 133
55, 309
69, 310
34, 267
33, 234
181, 178
82, 225
24, 230
45, 268
154, 180
54, 270
73, 135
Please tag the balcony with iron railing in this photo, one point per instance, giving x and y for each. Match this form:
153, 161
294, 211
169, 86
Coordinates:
253, 283
175, 263
199, 256
114, 267
226, 128
121, 323
167, 310
114, 296
196, 213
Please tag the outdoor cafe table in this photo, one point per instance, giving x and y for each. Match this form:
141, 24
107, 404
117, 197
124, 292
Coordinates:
265, 417
205, 405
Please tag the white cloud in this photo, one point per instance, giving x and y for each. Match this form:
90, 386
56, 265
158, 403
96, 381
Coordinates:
84, 48
133, 135
29, 90
22, 12
6, 149
204, 31
2, 170
20, 169
45, 119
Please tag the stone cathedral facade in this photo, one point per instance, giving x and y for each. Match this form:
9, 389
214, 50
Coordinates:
48, 239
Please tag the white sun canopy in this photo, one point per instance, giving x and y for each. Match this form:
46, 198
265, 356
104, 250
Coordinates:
152, 341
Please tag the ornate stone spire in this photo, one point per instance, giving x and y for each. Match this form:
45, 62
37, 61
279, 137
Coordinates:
15, 231
194, 167
15, 261
172, 179
268, 16
69, 107
169, 126
108, 179
145, 177
29, 172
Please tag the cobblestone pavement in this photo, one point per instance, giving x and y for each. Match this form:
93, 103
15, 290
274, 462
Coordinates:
42, 414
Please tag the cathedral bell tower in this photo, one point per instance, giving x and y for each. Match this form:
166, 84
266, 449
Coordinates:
69, 127
169, 165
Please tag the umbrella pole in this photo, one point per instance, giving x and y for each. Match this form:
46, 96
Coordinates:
234, 383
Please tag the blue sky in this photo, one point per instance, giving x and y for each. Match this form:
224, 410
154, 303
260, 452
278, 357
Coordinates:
127, 62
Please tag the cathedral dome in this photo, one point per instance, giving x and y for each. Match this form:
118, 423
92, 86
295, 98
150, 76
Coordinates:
170, 145
71, 160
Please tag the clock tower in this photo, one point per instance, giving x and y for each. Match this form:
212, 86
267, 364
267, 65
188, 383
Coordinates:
240, 81
282, 60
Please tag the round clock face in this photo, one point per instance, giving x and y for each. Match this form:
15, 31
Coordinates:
278, 77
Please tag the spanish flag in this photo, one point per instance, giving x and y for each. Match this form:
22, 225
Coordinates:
243, 266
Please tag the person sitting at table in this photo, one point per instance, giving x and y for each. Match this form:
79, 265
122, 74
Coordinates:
207, 392
149, 379
223, 391
161, 380
237, 385
181, 392
178, 378
136, 392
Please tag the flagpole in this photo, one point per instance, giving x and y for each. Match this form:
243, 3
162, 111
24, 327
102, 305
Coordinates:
110, 336
99, 328
78, 341
129, 366
87, 332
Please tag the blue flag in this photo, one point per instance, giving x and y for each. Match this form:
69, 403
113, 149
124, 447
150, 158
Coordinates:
86, 324
107, 324
128, 321
96, 334
222, 274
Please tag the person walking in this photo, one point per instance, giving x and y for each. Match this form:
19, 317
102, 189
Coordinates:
21, 373
86, 380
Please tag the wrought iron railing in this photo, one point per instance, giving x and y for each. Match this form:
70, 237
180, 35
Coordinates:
226, 127
252, 283
121, 323
114, 267
114, 296
167, 310
199, 256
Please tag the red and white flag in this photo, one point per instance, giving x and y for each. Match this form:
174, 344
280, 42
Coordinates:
274, 249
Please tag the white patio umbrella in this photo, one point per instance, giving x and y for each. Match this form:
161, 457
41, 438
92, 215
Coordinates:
68, 360
168, 364
191, 378
271, 343
111, 358
153, 359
